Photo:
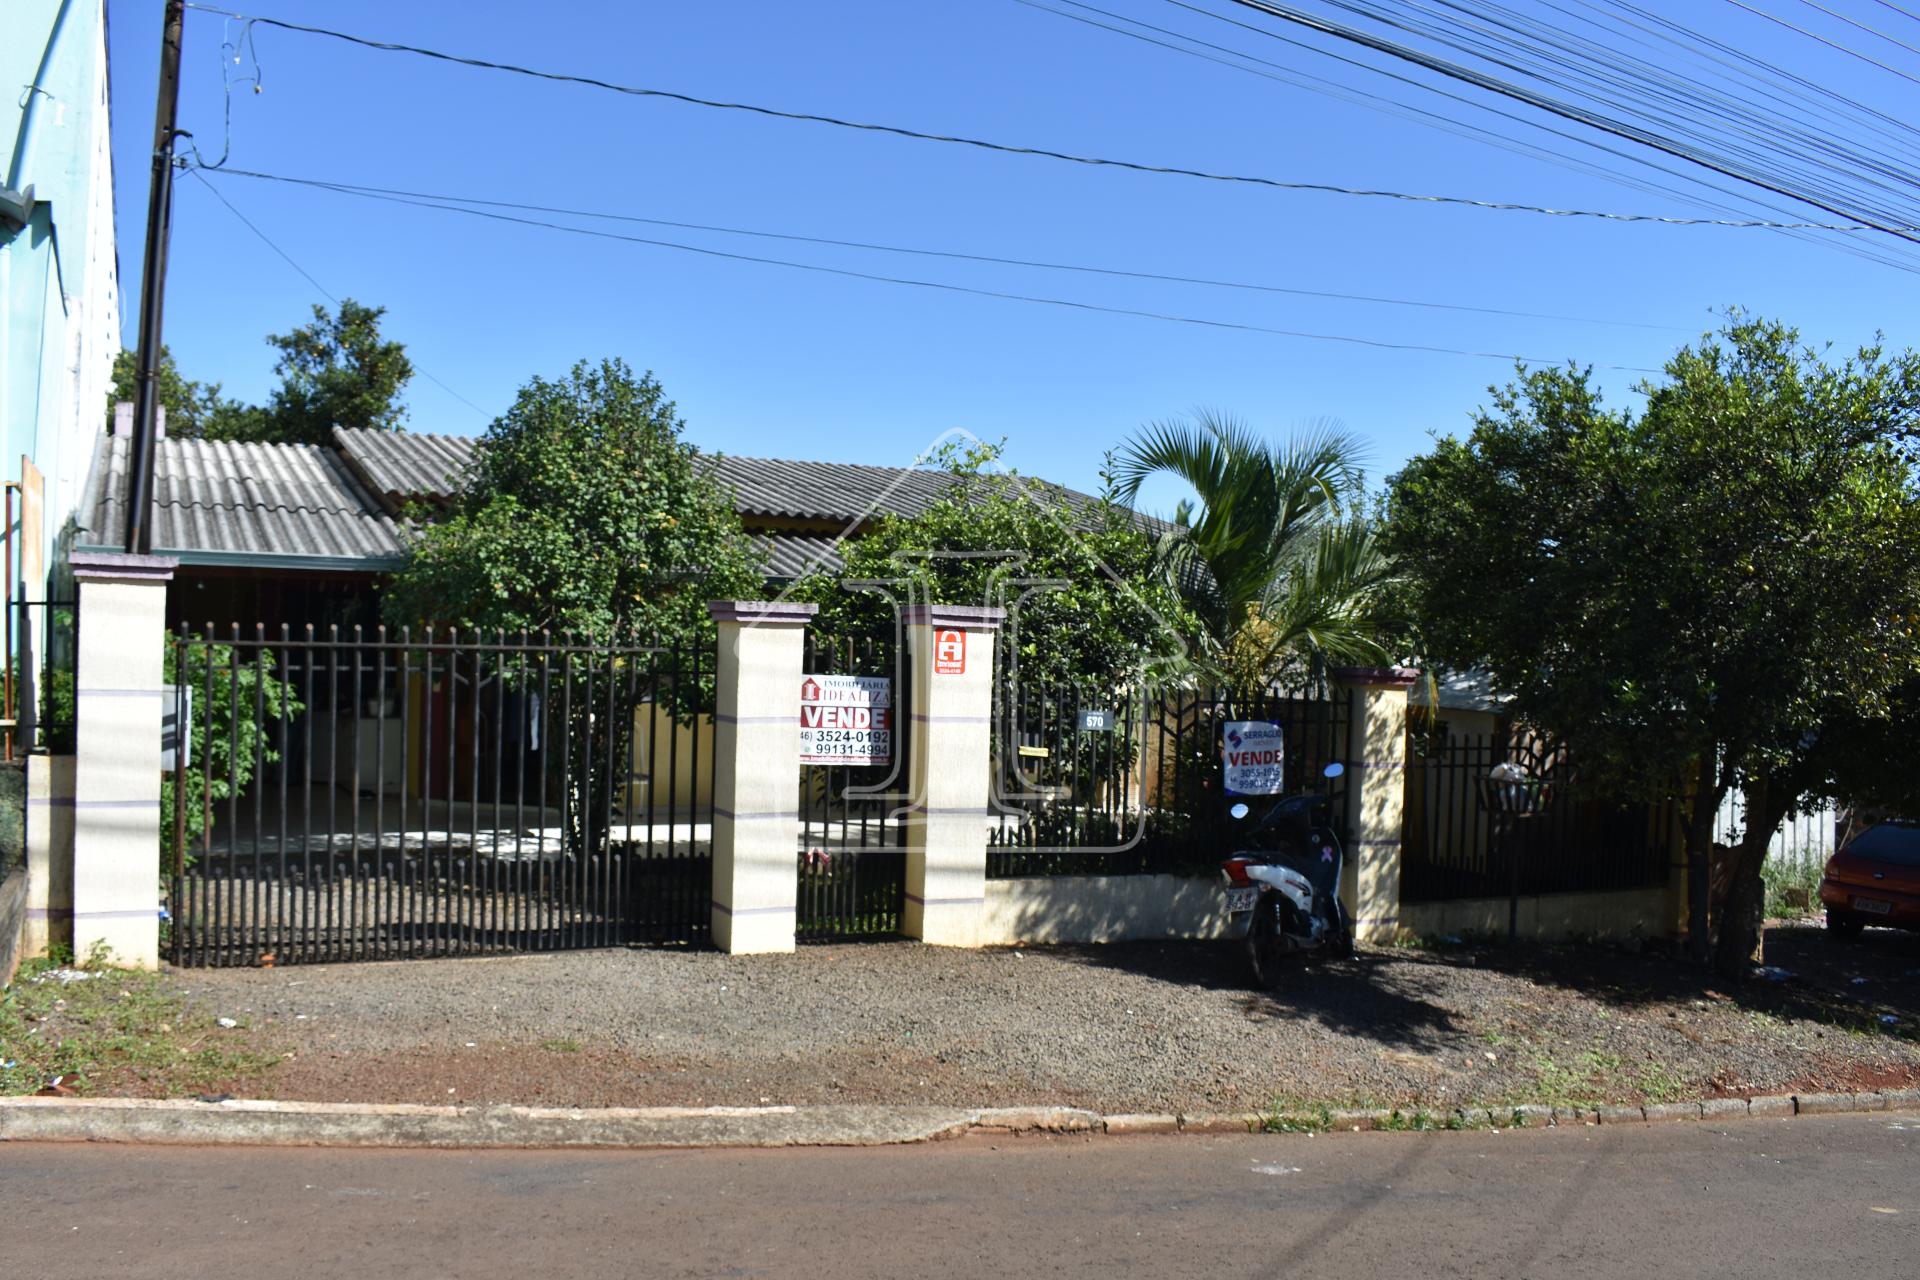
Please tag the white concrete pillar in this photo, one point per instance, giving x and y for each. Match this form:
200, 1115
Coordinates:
756, 774
1377, 795
49, 854
951, 649
116, 770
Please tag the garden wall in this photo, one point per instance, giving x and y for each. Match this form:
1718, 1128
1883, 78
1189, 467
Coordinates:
1644, 913
1037, 909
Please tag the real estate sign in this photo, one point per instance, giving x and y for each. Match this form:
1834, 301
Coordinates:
846, 720
1254, 752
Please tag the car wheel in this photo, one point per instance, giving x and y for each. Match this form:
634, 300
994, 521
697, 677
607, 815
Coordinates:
1266, 954
1842, 926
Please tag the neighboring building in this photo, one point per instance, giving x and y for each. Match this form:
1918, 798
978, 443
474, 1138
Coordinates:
59, 281
272, 533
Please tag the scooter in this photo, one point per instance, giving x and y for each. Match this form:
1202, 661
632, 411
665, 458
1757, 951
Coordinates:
1283, 896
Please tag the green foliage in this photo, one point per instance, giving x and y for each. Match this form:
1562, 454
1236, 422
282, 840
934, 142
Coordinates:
1280, 1117
105, 1030
585, 513
1110, 617
1280, 562
1793, 886
195, 410
1713, 585
233, 733
338, 370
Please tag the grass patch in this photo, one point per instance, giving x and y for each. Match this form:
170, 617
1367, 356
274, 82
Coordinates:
99, 1029
563, 1044
1793, 886
1280, 1118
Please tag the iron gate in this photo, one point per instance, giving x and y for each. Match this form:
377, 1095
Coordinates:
391, 795
853, 834
1145, 793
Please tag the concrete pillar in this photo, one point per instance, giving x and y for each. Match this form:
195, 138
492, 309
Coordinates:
951, 649
49, 854
116, 769
756, 774
1376, 790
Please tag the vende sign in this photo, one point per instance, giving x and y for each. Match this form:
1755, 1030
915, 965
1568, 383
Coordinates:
1254, 752
846, 720
950, 652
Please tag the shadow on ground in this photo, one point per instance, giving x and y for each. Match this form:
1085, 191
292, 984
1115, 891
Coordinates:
1391, 1005
1865, 985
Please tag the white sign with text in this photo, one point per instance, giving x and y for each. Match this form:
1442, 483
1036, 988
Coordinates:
1254, 752
846, 720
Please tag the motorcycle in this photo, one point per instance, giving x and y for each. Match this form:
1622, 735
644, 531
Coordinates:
1283, 899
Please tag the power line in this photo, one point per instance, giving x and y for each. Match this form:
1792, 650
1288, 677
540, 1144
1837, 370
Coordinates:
1831, 44
1854, 22
1236, 59
1361, 97
1566, 110
199, 172
1069, 157
943, 286
454, 201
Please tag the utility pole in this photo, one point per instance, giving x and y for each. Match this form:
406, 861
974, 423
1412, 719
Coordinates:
153, 286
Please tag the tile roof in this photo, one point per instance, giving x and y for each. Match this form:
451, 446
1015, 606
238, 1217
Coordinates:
218, 502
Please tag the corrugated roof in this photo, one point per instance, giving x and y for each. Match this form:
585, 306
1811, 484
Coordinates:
406, 466
795, 555
219, 502
402, 467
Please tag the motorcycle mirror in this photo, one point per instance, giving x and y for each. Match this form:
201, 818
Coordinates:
1334, 770
1238, 811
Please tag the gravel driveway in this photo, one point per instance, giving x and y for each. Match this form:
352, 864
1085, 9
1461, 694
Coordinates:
1160, 1027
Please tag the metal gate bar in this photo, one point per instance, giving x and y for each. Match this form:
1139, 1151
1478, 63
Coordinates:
397, 795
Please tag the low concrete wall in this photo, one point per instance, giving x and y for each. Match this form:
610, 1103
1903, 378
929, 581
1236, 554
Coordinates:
1646, 913
13, 921
1102, 909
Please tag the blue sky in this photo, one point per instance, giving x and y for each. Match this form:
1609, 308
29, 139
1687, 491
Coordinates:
769, 361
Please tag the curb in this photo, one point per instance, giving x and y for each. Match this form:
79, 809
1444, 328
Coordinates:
241, 1122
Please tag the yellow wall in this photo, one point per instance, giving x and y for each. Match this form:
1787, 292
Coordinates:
1645, 913
685, 749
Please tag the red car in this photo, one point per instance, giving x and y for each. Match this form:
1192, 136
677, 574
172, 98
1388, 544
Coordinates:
1875, 879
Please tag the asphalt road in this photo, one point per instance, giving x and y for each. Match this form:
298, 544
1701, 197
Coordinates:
1835, 1196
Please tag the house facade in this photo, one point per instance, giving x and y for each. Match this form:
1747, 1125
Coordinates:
59, 276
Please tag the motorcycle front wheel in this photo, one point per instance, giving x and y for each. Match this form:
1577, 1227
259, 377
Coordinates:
1266, 953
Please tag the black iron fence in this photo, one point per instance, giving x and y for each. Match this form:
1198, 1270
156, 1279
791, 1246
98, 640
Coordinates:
853, 833
1142, 788
397, 794
1574, 840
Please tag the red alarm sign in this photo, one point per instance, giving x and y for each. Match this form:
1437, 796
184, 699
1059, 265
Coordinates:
950, 652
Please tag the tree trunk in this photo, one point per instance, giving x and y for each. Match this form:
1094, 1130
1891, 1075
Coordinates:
1709, 788
1741, 913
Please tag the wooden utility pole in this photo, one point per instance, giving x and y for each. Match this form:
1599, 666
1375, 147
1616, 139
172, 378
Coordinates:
153, 286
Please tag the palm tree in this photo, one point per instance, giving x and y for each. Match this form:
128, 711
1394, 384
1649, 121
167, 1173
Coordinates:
1278, 561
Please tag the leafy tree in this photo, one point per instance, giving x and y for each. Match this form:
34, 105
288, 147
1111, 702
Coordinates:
585, 513
1105, 618
338, 370
1279, 561
1717, 588
193, 408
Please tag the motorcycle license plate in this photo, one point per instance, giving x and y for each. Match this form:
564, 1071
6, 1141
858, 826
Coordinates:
1239, 900
1872, 906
